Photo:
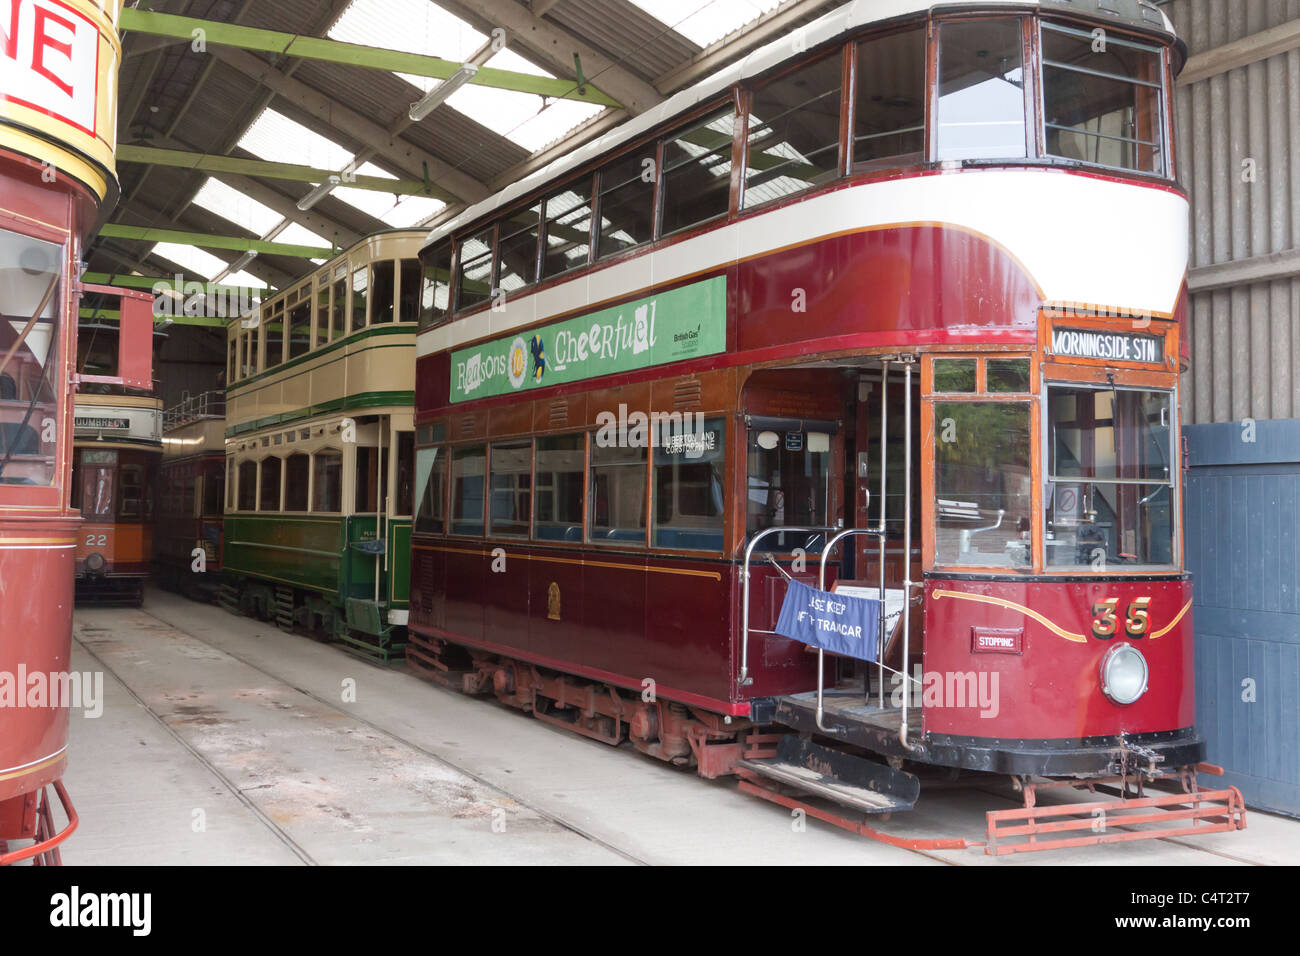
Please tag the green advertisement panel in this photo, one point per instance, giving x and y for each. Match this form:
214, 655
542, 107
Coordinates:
684, 323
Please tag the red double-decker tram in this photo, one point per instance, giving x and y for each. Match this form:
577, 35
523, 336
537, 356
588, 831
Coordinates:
892, 308
57, 133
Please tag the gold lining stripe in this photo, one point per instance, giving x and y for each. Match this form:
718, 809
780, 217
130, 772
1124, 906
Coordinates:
595, 564
23, 771
986, 599
1174, 623
56, 541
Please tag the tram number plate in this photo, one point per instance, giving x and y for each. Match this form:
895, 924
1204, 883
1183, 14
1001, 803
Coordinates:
1105, 618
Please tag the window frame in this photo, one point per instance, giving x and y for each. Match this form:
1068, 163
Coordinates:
1133, 381
928, 461
1163, 88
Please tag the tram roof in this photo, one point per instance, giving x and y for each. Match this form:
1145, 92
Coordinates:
1139, 14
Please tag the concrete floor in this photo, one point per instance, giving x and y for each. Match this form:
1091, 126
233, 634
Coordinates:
227, 741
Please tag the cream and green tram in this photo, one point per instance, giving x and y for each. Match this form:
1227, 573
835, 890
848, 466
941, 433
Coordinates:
320, 449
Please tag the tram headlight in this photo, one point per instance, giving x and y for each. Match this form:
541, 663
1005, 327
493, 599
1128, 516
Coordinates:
95, 562
1124, 674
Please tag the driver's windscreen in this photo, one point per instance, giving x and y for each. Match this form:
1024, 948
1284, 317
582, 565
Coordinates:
1110, 478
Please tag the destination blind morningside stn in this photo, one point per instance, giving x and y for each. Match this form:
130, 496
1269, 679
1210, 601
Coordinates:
1113, 346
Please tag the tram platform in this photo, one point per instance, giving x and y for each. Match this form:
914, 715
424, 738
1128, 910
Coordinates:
232, 738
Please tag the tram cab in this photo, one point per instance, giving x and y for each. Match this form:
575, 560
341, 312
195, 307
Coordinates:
117, 451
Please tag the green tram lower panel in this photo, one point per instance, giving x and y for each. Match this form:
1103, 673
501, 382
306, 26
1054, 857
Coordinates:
332, 556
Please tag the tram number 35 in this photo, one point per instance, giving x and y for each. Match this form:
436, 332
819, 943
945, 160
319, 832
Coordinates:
1105, 622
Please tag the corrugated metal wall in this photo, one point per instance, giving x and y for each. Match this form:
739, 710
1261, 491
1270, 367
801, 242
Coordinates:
1245, 339
1243, 549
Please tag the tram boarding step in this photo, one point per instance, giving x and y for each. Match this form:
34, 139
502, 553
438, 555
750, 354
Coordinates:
851, 781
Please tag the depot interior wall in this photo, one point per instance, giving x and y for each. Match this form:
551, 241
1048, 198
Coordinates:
1245, 256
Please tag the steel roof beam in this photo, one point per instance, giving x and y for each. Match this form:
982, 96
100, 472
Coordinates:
766, 27
287, 207
203, 240
555, 47
1247, 50
350, 54
405, 155
213, 162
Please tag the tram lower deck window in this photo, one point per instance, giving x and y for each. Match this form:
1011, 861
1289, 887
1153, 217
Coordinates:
617, 494
431, 485
688, 491
1110, 478
467, 474
982, 484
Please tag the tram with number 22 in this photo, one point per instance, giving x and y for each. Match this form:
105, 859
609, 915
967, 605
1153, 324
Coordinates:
58, 123
892, 308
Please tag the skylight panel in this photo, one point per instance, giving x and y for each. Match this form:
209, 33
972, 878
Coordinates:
523, 118
275, 137
229, 203
705, 22
190, 258
412, 26
300, 235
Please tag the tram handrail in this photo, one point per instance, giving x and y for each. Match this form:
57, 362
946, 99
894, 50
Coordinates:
821, 586
744, 680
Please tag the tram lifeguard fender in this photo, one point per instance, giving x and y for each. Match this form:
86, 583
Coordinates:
134, 338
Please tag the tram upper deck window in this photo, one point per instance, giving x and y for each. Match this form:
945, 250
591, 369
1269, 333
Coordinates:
688, 490
788, 484
627, 200
360, 295
383, 291
1102, 104
793, 134
273, 333
474, 272
409, 306
435, 293
29, 350
568, 228
518, 248
982, 484
1110, 478
339, 304
299, 321
320, 310
696, 184
889, 108
981, 90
